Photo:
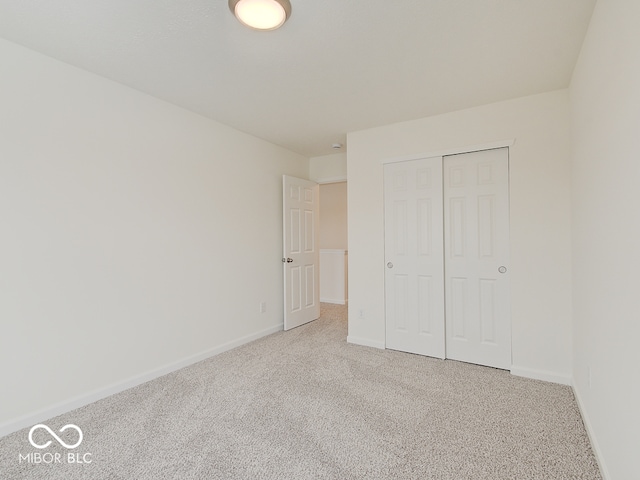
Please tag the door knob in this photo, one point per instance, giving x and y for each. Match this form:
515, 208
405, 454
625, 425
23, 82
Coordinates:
502, 269
389, 265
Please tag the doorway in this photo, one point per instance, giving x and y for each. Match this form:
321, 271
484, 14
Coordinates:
333, 243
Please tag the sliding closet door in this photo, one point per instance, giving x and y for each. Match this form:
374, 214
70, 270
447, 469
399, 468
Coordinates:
476, 228
414, 282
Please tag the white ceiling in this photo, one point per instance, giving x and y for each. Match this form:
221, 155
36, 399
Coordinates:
336, 66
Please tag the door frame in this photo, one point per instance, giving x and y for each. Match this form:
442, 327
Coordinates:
452, 151
508, 143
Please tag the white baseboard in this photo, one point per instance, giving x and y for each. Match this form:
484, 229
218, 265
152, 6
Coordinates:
544, 375
592, 436
365, 342
335, 301
100, 393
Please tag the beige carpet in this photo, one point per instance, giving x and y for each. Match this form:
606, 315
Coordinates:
306, 405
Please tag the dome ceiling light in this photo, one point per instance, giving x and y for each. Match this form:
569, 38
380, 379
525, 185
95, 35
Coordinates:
261, 14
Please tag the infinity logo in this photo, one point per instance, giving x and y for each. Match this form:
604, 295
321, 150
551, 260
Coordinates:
58, 439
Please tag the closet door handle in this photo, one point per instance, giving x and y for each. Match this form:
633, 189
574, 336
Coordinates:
502, 269
389, 265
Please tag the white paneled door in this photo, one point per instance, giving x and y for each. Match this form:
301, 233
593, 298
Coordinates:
414, 279
476, 225
446, 255
301, 256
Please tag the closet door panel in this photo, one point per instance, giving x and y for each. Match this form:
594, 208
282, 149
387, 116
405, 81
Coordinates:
476, 228
414, 277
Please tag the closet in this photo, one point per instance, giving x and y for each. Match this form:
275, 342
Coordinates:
446, 257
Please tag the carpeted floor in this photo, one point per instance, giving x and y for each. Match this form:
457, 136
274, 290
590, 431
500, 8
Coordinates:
304, 404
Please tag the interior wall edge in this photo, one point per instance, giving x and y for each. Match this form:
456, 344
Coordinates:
597, 451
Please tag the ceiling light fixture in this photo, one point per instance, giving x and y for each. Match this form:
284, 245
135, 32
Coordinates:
261, 14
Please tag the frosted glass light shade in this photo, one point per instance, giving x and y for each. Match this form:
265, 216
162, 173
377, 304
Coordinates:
261, 14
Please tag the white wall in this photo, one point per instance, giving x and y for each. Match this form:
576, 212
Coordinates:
328, 168
134, 234
333, 215
333, 276
605, 100
540, 220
